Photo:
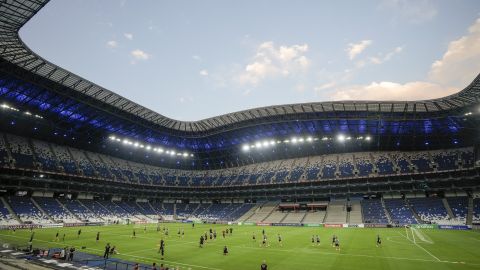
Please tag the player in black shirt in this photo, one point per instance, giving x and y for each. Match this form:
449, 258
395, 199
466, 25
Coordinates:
98, 237
201, 241
79, 232
56, 237
107, 251
225, 250
263, 266
379, 241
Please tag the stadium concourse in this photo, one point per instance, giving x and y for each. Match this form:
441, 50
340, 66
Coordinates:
82, 167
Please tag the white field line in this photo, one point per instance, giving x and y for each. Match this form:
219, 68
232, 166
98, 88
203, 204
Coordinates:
413, 235
428, 252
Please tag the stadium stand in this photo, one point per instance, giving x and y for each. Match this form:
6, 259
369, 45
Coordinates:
373, 211
399, 211
337, 212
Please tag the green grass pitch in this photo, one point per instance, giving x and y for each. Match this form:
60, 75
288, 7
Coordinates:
401, 248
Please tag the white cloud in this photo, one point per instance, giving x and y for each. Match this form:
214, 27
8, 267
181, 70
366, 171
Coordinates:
196, 58
380, 58
112, 44
413, 11
203, 72
325, 86
461, 62
246, 92
457, 68
128, 36
393, 91
139, 55
355, 49
270, 61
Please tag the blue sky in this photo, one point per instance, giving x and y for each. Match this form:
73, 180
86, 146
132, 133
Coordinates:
191, 60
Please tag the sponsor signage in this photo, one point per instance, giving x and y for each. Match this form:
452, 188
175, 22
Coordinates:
263, 224
454, 227
333, 225
249, 223
375, 225
424, 226
313, 225
288, 224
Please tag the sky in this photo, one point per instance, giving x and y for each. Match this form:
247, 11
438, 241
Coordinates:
191, 60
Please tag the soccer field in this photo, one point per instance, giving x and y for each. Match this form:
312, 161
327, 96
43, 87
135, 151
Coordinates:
401, 248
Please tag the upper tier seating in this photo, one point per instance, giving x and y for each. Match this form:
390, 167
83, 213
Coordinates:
72, 161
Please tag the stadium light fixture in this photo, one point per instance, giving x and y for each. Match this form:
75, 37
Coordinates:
148, 147
309, 139
368, 138
341, 138
294, 140
246, 147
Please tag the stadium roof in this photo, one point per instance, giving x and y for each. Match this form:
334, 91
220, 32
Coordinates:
15, 14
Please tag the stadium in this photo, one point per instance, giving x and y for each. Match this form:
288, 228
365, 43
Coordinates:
321, 185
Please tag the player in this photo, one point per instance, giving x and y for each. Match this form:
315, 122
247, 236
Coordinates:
162, 248
254, 238
179, 233
145, 229
78, 233
214, 234
56, 237
107, 251
158, 227
223, 234
231, 231
280, 240
166, 232
333, 240
98, 237
318, 240
160, 245
225, 251
183, 233
193, 225
201, 241
313, 240
63, 238
337, 244
263, 266
134, 234
379, 241
205, 237
264, 241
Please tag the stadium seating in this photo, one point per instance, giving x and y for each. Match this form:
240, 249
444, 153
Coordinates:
459, 206
430, 210
55, 210
27, 211
5, 217
42, 156
476, 210
399, 212
373, 212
